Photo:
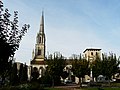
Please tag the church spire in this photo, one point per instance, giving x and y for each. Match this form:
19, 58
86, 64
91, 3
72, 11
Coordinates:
42, 23
40, 48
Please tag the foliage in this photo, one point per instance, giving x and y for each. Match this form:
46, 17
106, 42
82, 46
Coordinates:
14, 76
10, 37
35, 74
28, 86
110, 65
23, 77
64, 74
46, 79
31, 86
80, 68
97, 67
20, 74
55, 67
25, 74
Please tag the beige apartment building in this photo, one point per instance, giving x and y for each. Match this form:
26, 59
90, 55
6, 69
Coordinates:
91, 54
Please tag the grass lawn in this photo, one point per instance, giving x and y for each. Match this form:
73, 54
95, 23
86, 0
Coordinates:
54, 89
85, 89
101, 89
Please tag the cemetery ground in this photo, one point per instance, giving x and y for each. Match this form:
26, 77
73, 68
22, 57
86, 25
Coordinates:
105, 86
36, 86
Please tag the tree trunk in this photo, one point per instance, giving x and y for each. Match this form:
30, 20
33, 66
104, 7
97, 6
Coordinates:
52, 82
80, 82
3, 80
96, 79
109, 81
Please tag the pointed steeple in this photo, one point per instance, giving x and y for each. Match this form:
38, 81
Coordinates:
42, 23
38, 54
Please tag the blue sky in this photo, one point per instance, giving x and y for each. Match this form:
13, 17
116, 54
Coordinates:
71, 26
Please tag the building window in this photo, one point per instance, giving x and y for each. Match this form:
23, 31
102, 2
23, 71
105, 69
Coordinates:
91, 53
40, 40
96, 54
39, 52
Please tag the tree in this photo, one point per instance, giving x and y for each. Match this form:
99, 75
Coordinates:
14, 75
80, 68
20, 74
46, 79
10, 37
55, 68
35, 74
64, 75
23, 77
110, 65
25, 73
97, 67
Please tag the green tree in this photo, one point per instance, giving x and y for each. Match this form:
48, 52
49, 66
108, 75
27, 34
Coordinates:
80, 68
23, 75
64, 75
46, 79
10, 37
110, 65
55, 68
97, 67
35, 74
20, 74
14, 75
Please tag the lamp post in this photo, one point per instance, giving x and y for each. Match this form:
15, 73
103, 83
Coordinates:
91, 75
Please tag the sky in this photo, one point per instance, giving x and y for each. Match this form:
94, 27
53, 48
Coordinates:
71, 26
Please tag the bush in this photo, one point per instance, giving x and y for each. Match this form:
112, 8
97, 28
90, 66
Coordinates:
9, 88
93, 84
29, 86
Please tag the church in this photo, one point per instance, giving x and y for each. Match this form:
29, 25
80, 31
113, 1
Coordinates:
38, 55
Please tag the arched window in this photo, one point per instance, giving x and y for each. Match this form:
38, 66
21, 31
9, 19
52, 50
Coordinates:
91, 53
96, 54
39, 52
40, 40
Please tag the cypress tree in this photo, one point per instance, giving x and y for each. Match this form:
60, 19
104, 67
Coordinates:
24, 74
14, 76
21, 73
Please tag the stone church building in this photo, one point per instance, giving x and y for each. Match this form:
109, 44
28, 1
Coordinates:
38, 55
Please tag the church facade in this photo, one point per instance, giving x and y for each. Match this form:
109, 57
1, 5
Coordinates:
38, 55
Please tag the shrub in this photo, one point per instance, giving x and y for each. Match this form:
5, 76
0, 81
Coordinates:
28, 86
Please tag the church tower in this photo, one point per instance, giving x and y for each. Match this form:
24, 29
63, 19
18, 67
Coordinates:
38, 55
